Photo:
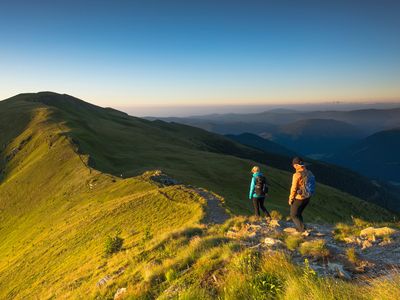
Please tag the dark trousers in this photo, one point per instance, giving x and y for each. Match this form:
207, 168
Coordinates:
296, 211
259, 203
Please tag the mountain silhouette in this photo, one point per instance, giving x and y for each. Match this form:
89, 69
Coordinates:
377, 156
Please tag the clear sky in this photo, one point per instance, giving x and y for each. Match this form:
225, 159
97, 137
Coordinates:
166, 52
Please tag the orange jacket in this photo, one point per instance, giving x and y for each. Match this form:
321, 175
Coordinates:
297, 182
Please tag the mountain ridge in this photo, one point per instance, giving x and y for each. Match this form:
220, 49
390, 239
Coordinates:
375, 155
92, 128
60, 199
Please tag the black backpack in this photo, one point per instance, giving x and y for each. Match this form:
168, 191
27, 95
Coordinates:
261, 187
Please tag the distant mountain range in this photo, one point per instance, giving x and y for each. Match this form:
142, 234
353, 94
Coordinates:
255, 141
377, 156
368, 120
315, 138
333, 136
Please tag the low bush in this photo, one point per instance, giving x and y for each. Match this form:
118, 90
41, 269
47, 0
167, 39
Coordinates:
248, 261
293, 241
266, 286
315, 248
113, 243
171, 275
147, 235
343, 231
276, 215
360, 223
352, 255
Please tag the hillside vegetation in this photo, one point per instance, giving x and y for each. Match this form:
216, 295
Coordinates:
125, 146
61, 195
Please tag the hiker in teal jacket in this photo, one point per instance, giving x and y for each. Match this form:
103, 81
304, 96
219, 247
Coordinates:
258, 190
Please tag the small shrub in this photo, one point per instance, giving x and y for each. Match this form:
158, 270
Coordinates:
248, 262
308, 272
360, 223
293, 241
171, 275
147, 235
352, 255
266, 286
343, 231
113, 243
276, 215
232, 223
277, 264
314, 248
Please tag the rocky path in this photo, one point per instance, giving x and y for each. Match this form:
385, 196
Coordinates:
215, 213
374, 255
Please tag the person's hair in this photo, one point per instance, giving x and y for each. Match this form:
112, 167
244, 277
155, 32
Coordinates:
298, 161
255, 169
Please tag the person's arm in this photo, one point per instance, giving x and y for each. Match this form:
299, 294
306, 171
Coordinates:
293, 189
252, 184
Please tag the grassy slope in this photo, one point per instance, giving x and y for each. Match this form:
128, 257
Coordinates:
125, 145
53, 225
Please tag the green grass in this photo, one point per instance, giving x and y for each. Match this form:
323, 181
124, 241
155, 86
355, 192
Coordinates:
122, 145
315, 248
56, 212
200, 269
293, 241
352, 256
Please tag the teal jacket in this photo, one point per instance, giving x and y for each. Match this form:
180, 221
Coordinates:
252, 194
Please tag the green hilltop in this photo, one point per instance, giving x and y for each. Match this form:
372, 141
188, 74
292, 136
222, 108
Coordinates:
73, 173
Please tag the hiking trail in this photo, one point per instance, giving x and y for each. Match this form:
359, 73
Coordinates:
214, 211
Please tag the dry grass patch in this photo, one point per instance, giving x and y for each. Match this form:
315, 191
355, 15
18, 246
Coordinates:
352, 255
293, 241
315, 248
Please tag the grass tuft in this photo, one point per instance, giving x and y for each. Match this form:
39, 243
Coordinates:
293, 241
316, 248
352, 255
113, 243
276, 215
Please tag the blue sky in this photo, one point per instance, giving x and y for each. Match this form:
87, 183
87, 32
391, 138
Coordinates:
168, 53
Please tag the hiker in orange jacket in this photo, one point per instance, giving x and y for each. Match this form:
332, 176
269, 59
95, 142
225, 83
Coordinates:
303, 187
